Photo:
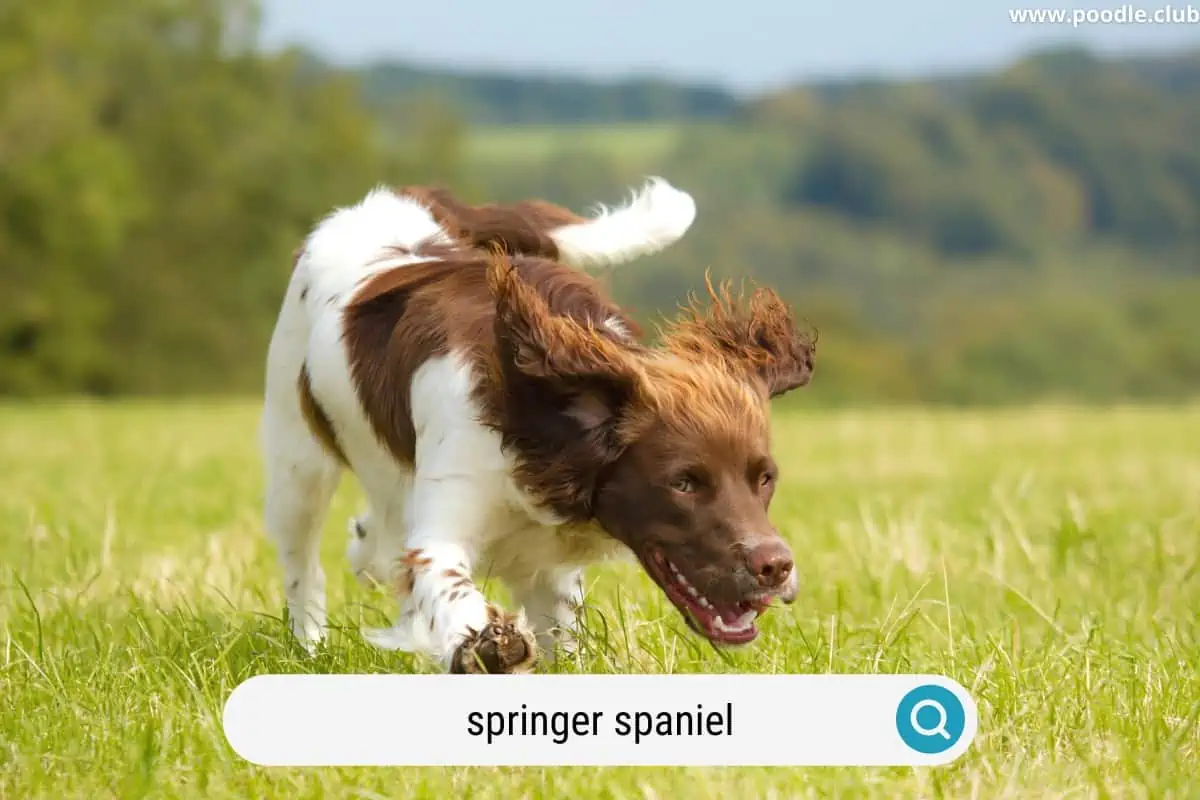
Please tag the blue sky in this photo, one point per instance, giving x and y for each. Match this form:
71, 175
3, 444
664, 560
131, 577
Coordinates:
744, 44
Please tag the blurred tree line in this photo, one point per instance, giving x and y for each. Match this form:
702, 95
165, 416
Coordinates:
492, 99
1030, 233
155, 173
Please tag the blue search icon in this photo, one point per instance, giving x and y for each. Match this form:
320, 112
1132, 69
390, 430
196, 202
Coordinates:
930, 719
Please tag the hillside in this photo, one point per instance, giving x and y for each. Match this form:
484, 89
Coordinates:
1027, 233
969, 238
497, 99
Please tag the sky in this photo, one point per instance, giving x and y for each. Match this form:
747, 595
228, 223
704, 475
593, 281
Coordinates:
747, 45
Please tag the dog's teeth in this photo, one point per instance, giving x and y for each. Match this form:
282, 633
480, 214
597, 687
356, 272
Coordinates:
687, 586
740, 625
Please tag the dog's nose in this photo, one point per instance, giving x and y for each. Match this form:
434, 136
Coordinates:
771, 564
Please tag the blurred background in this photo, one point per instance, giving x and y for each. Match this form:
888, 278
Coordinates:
971, 210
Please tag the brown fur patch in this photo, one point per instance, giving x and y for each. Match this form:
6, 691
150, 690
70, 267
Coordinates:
403, 317
415, 559
390, 331
518, 228
316, 418
697, 402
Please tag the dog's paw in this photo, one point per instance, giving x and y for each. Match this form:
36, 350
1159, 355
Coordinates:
504, 646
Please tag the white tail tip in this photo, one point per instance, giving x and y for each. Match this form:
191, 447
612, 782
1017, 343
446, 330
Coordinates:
655, 218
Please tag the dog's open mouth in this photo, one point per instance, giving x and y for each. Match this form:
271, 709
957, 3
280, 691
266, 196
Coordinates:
723, 624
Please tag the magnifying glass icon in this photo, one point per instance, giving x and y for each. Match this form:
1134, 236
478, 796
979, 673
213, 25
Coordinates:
938, 729
931, 718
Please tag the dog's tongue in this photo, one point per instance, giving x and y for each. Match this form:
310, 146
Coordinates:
760, 605
739, 616
730, 615
757, 605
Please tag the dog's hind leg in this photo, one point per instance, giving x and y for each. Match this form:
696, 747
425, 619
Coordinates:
552, 599
301, 474
301, 479
297, 500
375, 547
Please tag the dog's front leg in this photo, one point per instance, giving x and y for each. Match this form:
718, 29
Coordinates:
466, 632
445, 613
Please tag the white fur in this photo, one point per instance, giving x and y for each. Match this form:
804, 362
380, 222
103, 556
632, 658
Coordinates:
615, 325
655, 218
458, 505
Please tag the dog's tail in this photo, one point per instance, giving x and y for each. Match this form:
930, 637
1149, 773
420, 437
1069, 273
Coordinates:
656, 217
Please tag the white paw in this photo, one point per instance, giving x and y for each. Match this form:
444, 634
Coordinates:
309, 634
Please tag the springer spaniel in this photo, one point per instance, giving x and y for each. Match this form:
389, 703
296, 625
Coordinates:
503, 417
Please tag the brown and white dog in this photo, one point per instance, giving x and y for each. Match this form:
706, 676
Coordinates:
503, 418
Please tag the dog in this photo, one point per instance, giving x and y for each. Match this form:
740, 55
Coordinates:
504, 416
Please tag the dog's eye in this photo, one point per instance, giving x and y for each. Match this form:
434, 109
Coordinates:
766, 479
684, 484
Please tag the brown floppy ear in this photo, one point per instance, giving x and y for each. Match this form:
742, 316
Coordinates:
563, 387
757, 337
542, 344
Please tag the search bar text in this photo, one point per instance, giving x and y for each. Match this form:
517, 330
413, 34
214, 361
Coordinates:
600, 720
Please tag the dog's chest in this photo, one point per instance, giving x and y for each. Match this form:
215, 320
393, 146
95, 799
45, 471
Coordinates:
525, 548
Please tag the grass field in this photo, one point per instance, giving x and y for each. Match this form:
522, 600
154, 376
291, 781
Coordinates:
1044, 558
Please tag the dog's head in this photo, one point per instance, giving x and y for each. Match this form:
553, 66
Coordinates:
666, 447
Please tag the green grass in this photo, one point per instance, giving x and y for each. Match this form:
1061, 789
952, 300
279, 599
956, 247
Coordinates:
1045, 558
633, 143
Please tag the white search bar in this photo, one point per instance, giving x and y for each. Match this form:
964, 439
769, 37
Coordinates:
600, 720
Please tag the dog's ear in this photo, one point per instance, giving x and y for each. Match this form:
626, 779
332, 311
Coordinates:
565, 386
755, 337
591, 372
543, 344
